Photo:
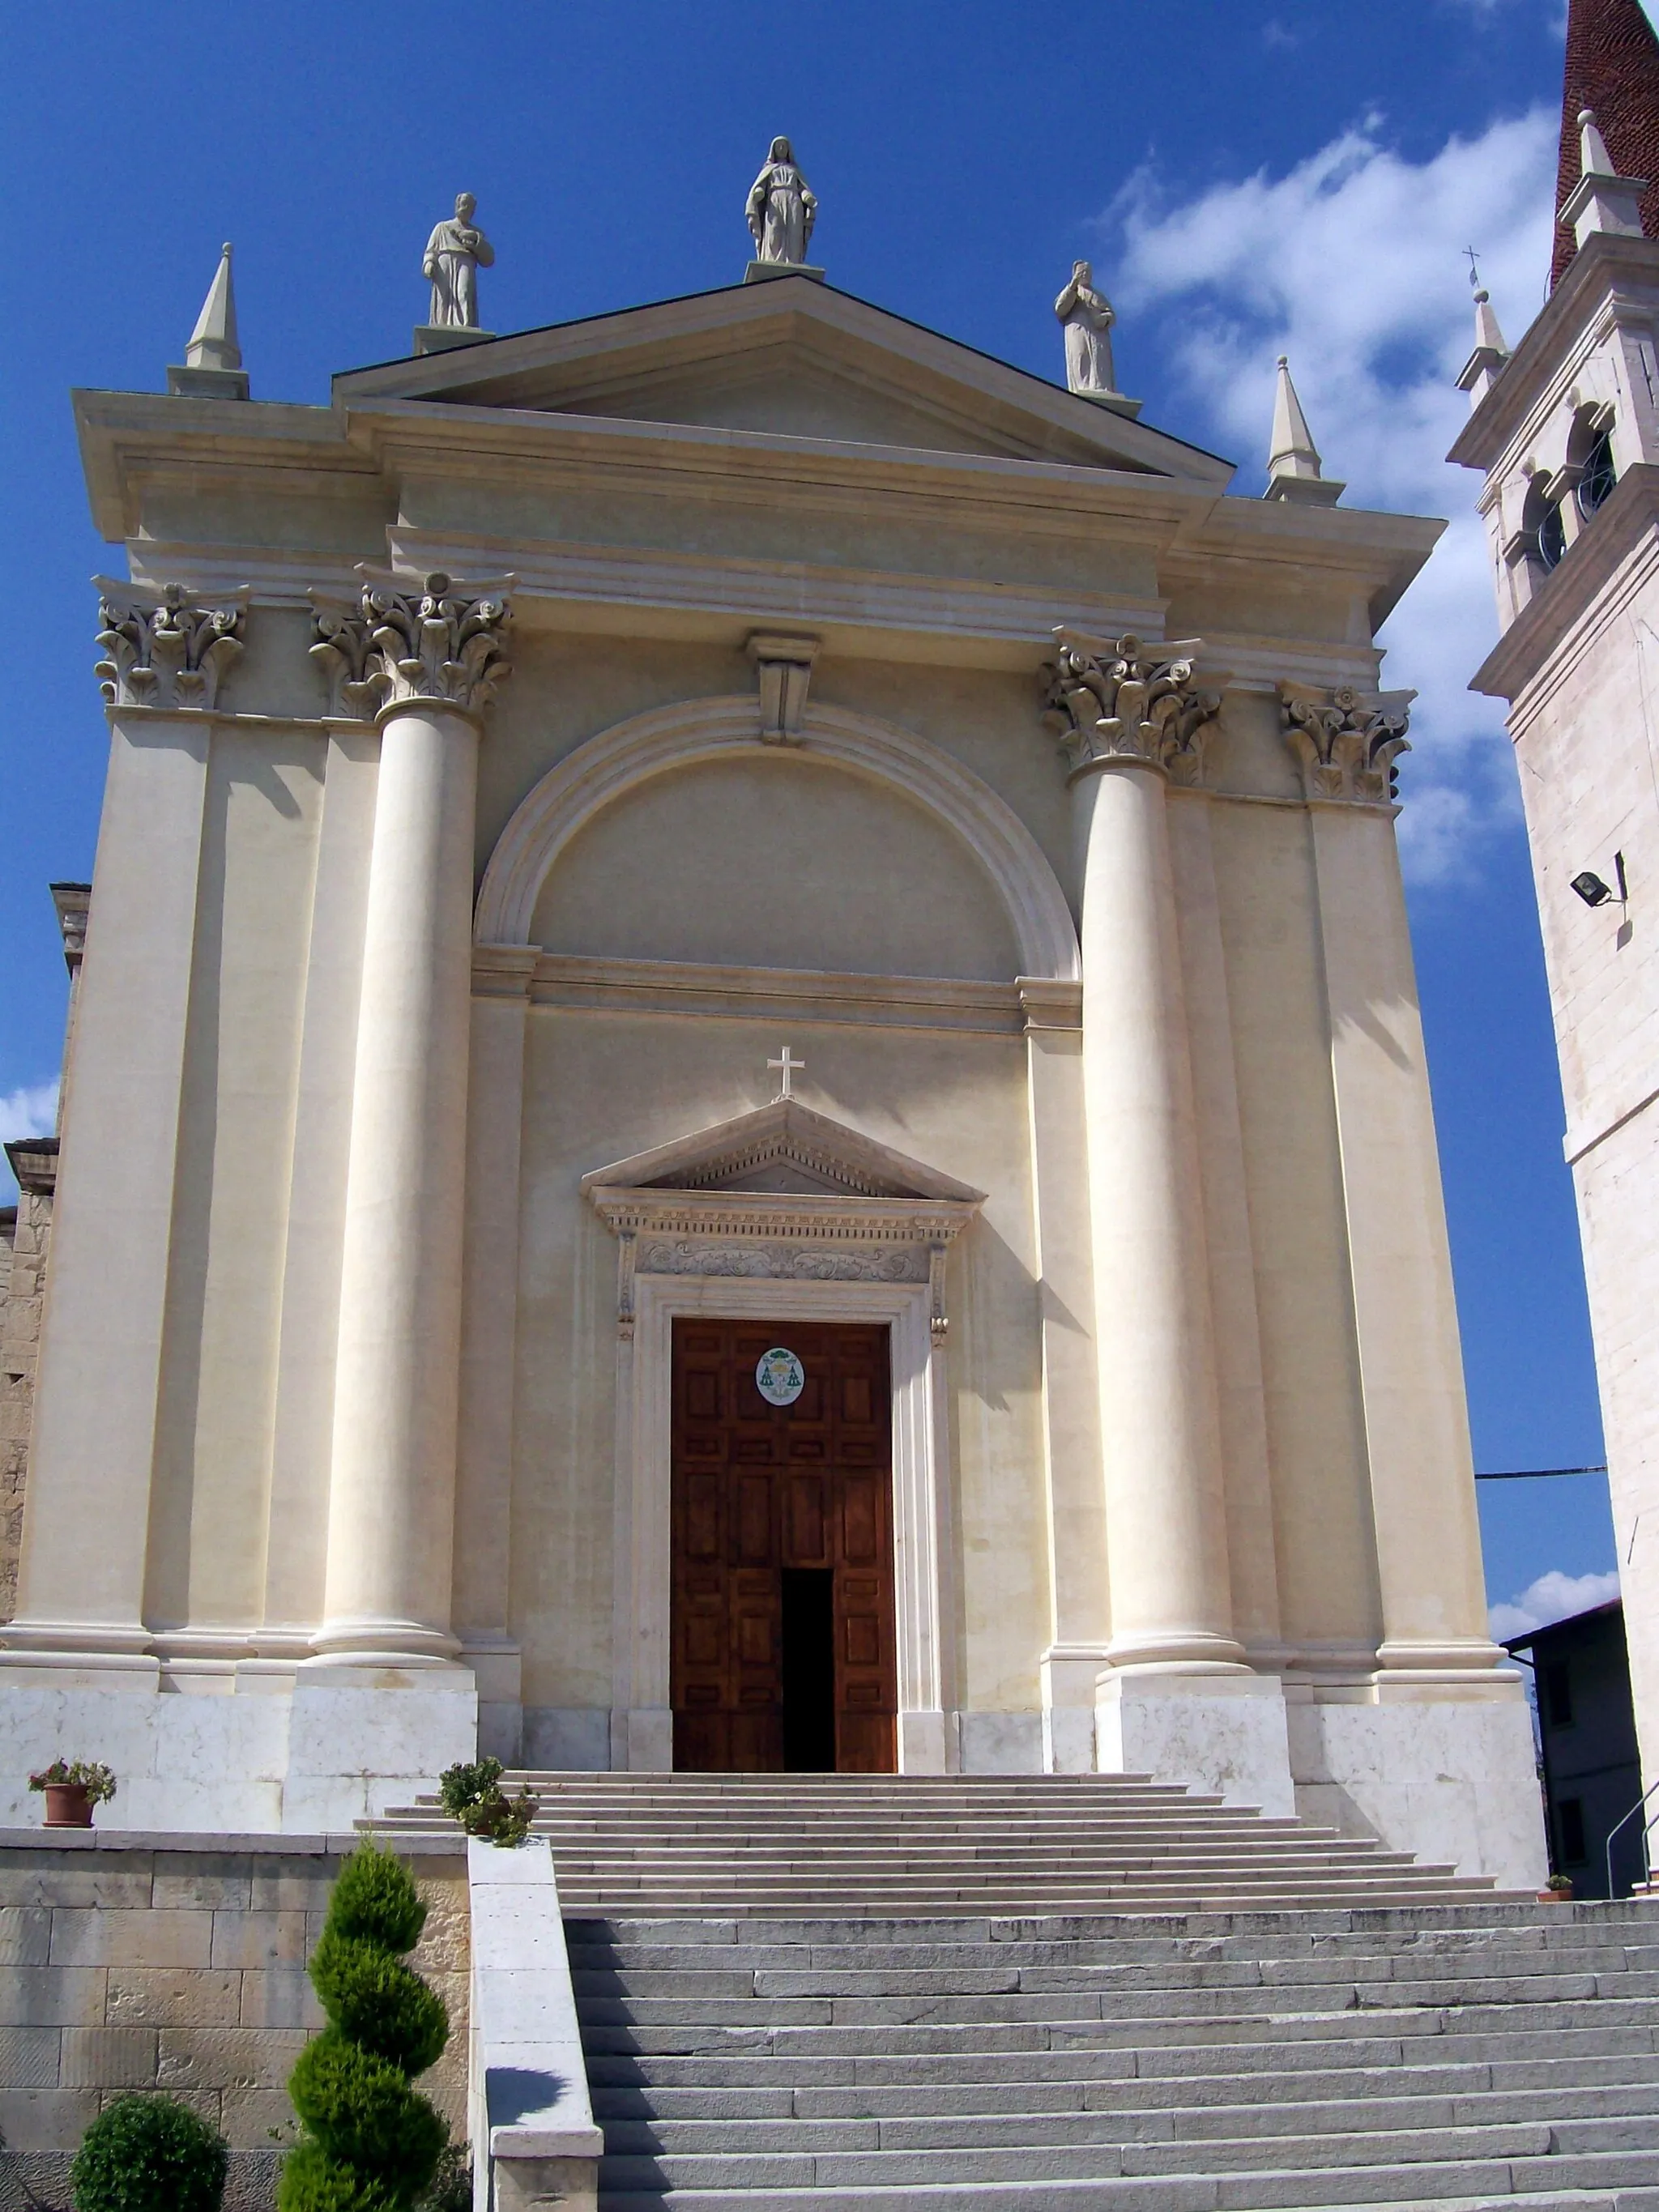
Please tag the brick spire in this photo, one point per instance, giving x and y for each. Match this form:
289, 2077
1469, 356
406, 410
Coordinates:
1613, 67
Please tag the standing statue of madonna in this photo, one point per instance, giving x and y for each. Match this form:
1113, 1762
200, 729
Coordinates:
783, 207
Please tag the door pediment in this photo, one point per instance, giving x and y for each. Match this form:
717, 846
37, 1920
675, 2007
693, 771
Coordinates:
784, 1150
785, 1193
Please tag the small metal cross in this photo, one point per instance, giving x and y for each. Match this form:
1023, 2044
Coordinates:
1474, 272
790, 1067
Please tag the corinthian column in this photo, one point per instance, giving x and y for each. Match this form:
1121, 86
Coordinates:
1127, 712
428, 661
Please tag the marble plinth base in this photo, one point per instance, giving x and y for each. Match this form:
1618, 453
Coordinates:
241, 1749
762, 272
1445, 1769
443, 337
1224, 1733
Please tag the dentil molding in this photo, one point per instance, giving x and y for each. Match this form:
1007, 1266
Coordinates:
1348, 742
164, 648
397, 643
1124, 700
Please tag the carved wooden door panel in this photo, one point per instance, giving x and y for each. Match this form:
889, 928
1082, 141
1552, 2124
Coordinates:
768, 1501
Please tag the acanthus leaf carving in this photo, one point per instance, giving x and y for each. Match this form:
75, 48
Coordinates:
1124, 700
1348, 743
399, 644
166, 648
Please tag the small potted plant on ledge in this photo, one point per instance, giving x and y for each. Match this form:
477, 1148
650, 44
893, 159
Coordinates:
73, 1787
1557, 1890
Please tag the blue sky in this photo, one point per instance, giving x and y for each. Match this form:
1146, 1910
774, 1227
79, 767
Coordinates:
1247, 178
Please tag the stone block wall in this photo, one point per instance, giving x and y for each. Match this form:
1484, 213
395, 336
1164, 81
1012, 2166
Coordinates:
133, 1962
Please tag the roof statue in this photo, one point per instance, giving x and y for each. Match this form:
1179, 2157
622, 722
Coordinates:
212, 367
455, 252
1613, 69
1088, 316
1293, 464
783, 207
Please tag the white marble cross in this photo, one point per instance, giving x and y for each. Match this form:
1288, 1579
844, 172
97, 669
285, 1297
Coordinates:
790, 1065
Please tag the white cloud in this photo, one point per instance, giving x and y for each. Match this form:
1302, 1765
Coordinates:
30, 1111
1352, 264
1553, 1596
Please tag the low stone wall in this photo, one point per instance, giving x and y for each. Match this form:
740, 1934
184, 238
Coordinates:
134, 1961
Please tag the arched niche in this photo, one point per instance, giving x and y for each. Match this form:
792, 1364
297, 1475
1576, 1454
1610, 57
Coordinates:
931, 788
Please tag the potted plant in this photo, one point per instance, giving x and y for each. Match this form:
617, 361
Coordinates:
73, 1787
1557, 1890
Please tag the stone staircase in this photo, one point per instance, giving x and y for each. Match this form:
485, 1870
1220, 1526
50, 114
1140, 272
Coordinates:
1446, 2056
1038, 1993
882, 1845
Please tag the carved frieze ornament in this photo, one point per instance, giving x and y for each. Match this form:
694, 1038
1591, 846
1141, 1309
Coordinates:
1125, 701
1348, 743
400, 642
166, 649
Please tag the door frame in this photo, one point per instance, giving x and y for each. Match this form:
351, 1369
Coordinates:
642, 1721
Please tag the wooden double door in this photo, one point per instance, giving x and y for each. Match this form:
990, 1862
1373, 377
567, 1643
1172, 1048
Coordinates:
783, 1598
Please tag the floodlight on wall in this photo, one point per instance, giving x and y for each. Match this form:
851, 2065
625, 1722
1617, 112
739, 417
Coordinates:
1594, 892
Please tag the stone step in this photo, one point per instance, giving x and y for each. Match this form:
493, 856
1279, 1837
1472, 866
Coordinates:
971, 1970
1578, 2088
1505, 2188
926, 2129
1621, 2143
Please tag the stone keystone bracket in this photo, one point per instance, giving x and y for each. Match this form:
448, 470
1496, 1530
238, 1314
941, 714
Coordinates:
1348, 743
398, 642
1125, 700
784, 666
165, 649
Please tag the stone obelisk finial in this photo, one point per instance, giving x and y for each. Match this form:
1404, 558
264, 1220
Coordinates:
212, 367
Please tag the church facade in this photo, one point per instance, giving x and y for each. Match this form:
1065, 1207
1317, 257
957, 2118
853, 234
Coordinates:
746, 1092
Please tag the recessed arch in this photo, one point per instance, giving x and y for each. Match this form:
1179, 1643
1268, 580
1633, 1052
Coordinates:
620, 759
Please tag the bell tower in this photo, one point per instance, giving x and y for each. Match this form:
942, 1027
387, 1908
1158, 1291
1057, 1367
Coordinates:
1565, 429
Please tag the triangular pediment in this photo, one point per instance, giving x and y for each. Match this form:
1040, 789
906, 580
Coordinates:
789, 359
783, 1150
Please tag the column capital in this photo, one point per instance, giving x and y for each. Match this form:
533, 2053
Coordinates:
1122, 702
1347, 741
401, 643
166, 648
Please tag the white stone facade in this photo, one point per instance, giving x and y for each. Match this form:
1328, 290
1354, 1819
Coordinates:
1579, 663
420, 1081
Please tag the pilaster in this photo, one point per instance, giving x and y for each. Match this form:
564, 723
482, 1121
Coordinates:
1428, 1544
86, 1527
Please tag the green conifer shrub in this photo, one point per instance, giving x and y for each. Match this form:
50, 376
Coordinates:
372, 2143
149, 2153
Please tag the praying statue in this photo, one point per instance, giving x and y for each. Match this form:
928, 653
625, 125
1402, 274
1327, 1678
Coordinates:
454, 253
783, 207
1088, 316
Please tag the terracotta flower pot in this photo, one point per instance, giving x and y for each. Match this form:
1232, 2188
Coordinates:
68, 1805
1555, 1896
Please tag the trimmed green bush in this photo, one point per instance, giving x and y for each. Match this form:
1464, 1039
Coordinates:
473, 1796
147, 2154
372, 2143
